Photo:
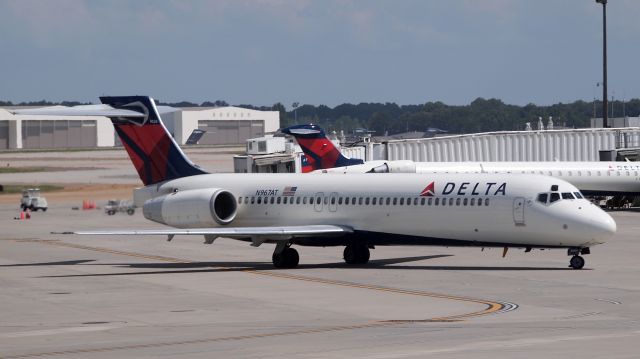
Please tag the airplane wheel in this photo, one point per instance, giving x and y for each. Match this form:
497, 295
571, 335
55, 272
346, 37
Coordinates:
349, 254
293, 258
356, 254
363, 255
576, 262
289, 258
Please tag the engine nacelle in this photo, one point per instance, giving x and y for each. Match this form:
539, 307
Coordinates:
209, 207
395, 167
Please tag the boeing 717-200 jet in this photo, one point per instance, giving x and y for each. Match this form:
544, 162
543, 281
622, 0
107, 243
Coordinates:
359, 211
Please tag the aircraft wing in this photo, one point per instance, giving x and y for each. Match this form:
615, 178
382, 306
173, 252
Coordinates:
277, 233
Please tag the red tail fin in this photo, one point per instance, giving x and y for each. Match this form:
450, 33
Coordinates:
321, 153
154, 153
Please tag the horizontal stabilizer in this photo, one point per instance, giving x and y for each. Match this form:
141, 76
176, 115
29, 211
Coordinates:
88, 110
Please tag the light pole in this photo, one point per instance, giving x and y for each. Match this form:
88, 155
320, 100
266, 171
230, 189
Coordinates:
613, 101
295, 111
605, 105
594, 100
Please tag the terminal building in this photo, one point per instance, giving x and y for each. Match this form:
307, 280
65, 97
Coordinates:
588, 144
221, 126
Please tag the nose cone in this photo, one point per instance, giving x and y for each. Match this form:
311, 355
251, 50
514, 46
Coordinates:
607, 225
600, 225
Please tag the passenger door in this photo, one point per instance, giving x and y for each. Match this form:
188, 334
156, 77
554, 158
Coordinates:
518, 211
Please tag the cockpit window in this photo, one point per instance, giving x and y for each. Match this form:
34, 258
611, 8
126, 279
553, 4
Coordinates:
542, 197
550, 197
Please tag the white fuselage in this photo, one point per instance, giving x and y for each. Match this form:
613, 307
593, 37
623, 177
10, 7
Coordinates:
592, 178
444, 208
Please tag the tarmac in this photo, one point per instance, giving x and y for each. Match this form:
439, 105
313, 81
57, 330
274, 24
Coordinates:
103, 297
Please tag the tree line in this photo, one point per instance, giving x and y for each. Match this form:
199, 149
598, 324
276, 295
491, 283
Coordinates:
481, 115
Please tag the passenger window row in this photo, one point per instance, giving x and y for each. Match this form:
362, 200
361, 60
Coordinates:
570, 173
367, 201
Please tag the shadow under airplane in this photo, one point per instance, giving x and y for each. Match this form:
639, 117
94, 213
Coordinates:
212, 267
60, 263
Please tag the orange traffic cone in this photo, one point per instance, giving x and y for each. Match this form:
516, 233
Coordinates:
21, 215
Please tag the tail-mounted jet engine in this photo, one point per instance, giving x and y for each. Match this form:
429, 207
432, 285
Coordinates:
192, 208
395, 167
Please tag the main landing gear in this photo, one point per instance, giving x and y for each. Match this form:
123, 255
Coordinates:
356, 254
285, 257
577, 262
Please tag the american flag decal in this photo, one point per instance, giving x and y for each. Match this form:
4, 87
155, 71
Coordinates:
289, 191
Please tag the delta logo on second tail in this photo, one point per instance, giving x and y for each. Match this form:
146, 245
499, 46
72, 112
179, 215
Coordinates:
319, 151
467, 188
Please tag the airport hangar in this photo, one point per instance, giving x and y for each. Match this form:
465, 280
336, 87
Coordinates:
223, 126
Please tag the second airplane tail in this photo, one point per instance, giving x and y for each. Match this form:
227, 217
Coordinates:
321, 153
153, 151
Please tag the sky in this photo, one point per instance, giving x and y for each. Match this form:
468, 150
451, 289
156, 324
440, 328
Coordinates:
317, 51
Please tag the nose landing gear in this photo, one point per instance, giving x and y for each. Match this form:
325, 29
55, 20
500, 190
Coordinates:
576, 262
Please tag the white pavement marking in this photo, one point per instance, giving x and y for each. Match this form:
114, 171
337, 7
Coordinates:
34, 333
492, 345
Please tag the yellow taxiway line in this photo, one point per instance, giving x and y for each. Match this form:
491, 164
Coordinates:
491, 307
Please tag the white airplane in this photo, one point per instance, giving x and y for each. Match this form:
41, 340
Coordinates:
592, 178
358, 211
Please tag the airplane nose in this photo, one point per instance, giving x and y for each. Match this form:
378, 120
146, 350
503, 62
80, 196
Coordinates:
609, 226
602, 225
